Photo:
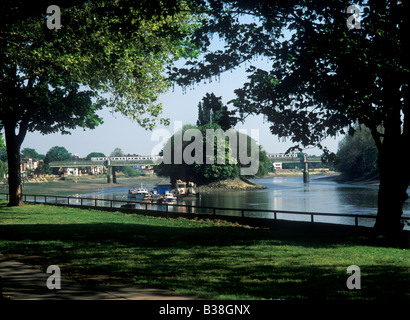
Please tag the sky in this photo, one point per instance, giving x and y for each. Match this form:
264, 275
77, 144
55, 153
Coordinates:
180, 105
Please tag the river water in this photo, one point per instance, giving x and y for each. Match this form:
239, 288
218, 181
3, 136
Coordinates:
285, 193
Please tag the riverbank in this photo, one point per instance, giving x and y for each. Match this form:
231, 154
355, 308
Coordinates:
299, 173
72, 186
240, 184
340, 178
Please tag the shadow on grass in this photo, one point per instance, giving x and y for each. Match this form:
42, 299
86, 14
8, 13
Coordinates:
212, 262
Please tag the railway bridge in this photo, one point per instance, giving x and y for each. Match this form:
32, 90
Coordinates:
278, 160
110, 164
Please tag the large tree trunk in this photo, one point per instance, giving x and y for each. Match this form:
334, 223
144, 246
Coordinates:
13, 143
394, 173
394, 182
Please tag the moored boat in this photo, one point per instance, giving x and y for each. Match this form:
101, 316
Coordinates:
185, 190
138, 193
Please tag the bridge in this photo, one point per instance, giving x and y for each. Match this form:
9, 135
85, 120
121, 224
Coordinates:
110, 165
277, 160
89, 163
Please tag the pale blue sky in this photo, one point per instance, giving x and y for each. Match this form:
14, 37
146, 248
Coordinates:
118, 131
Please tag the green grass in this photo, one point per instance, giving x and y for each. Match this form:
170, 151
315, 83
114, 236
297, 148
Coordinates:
210, 260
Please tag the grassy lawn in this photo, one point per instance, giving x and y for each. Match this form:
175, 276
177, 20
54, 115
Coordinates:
210, 260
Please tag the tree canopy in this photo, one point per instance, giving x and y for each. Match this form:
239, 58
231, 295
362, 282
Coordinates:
57, 153
357, 155
32, 153
54, 80
117, 152
212, 110
207, 153
95, 154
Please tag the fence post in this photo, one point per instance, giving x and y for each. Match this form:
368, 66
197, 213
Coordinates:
311, 217
35, 199
95, 202
214, 211
243, 213
274, 215
81, 201
68, 200
356, 221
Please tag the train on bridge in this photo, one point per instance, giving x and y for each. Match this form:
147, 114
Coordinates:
134, 158
282, 155
95, 159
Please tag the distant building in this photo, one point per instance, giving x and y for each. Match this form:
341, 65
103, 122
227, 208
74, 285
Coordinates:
95, 170
29, 164
277, 165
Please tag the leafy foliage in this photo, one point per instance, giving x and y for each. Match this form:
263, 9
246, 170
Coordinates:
357, 155
211, 110
207, 166
57, 80
57, 154
32, 153
131, 172
95, 154
117, 152
323, 77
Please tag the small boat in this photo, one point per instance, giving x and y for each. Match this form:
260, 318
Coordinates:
138, 193
183, 191
168, 197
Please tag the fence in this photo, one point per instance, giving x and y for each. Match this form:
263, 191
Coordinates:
213, 212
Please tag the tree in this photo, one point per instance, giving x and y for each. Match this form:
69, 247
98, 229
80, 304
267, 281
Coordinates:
327, 74
3, 150
32, 153
53, 80
3, 165
357, 155
57, 154
43, 168
117, 152
95, 154
211, 110
203, 160
131, 172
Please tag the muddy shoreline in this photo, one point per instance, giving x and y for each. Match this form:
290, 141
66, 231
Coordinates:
239, 184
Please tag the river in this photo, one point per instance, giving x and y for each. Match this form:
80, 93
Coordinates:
290, 194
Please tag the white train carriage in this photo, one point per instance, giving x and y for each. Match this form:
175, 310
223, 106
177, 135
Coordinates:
126, 158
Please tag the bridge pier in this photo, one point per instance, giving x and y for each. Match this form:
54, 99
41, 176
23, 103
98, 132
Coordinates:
305, 169
114, 175
109, 174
